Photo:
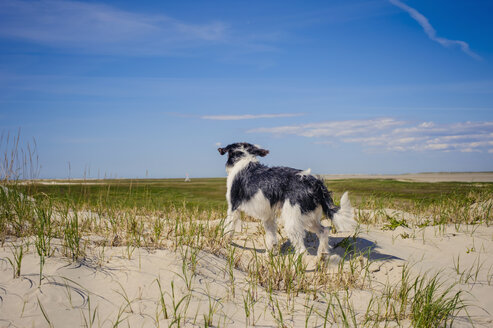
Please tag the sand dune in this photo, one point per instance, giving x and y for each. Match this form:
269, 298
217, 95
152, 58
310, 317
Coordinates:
119, 285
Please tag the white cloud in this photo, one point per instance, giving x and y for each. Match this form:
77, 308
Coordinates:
393, 135
246, 116
431, 32
427, 124
331, 128
100, 28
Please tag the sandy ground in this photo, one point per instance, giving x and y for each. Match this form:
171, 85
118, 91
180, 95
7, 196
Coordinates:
119, 285
421, 177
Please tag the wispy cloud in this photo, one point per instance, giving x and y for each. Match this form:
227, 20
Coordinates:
431, 32
332, 128
394, 135
100, 28
247, 116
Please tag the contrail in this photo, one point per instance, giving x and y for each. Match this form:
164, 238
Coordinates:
431, 32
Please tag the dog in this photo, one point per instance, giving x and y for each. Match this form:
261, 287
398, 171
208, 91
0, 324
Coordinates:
301, 198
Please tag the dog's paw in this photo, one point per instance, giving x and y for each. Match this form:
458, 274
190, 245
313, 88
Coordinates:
273, 249
228, 234
323, 256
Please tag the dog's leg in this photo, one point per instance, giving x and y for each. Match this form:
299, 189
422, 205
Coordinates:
231, 223
312, 224
323, 238
270, 228
291, 216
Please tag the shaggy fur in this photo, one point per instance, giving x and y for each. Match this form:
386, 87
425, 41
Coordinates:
259, 191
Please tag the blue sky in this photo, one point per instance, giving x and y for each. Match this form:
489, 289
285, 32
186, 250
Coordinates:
134, 89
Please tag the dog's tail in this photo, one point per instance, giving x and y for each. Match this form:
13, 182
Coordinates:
342, 217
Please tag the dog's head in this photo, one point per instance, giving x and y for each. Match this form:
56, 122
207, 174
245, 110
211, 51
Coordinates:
240, 150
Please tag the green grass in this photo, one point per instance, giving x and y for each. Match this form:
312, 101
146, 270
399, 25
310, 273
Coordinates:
150, 194
209, 193
394, 223
405, 193
122, 201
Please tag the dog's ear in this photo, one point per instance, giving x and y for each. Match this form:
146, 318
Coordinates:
222, 151
260, 152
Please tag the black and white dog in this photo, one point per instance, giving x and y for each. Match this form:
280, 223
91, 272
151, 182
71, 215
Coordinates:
259, 191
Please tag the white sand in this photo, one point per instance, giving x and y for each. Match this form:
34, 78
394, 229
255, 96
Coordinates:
126, 290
